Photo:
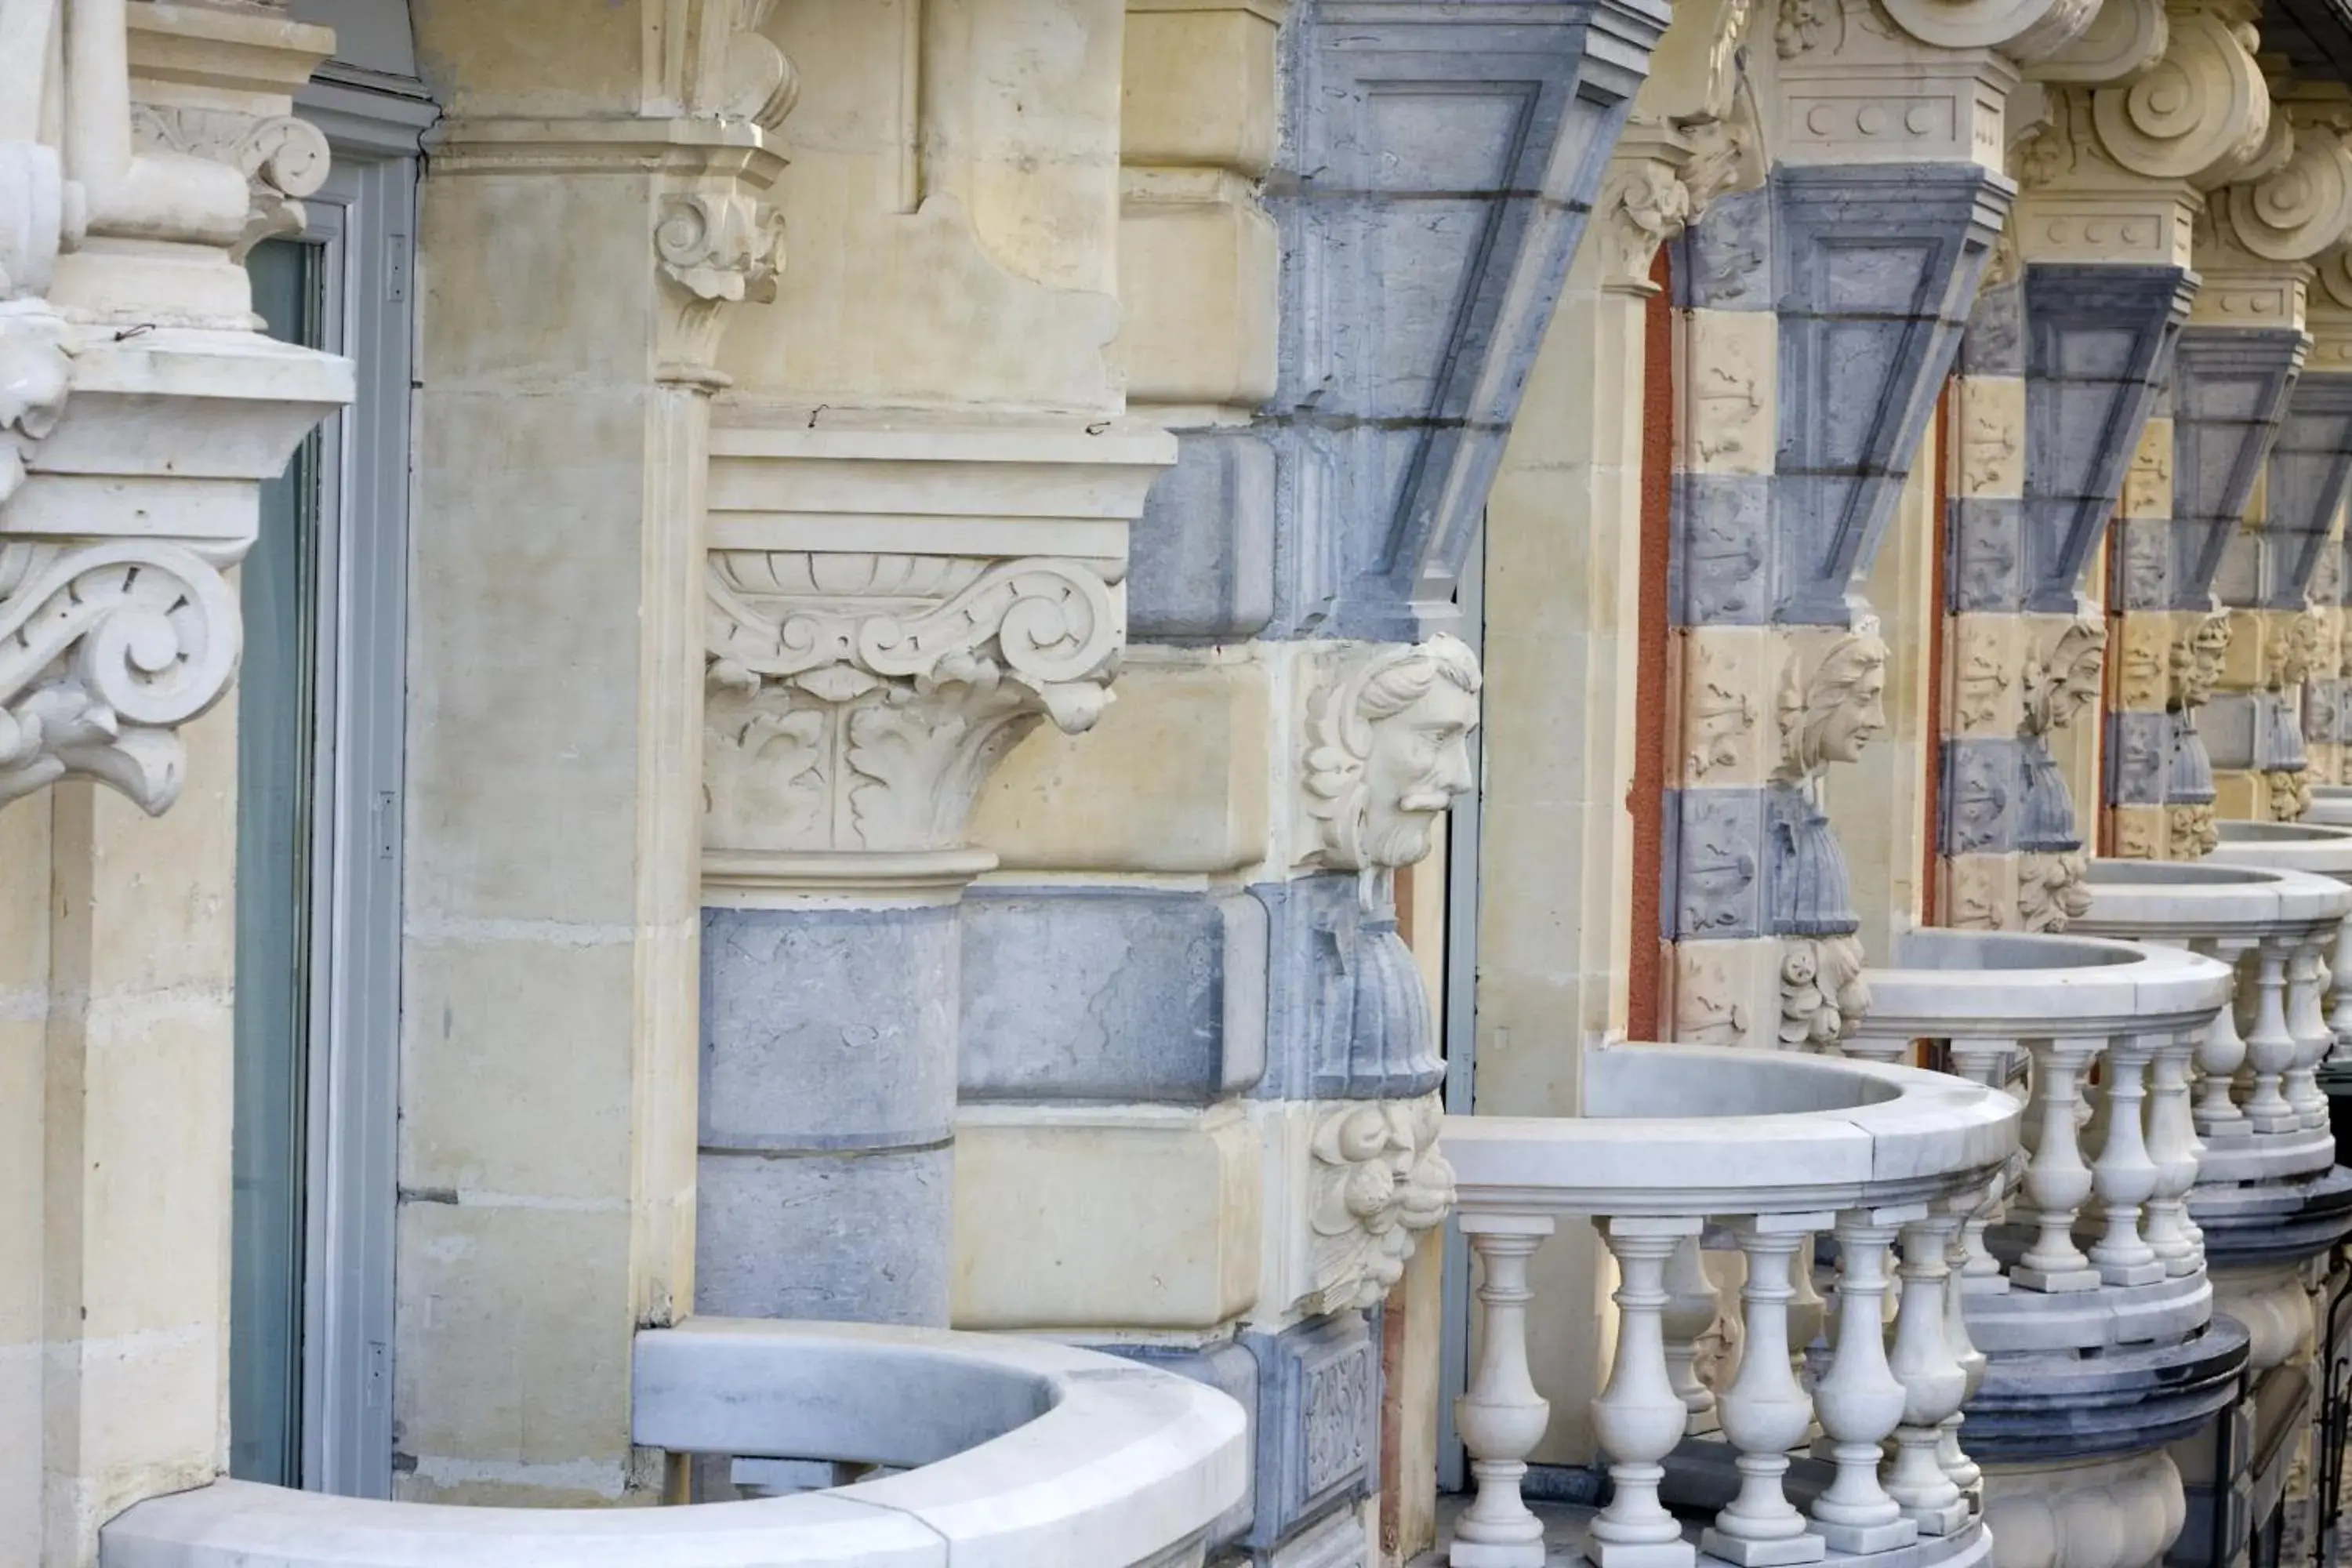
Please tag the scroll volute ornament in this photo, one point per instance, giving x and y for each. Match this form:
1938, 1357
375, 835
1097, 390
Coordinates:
2126, 37
2021, 29
2304, 206
2201, 113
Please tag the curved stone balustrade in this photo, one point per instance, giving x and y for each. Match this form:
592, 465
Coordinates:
2104, 1027
1779, 1147
2331, 806
1011, 1453
2301, 847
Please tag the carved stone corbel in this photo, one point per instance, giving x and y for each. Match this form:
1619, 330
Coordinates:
1695, 134
1379, 1184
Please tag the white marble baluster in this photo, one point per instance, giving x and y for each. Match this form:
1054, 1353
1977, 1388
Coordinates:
1934, 1383
2123, 1178
1638, 1418
1858, 1400
1691, 1308
1807, 1310
2056, 1180
1765, 1413
2339, 994
2270, 1045
2219, 1053
1985, 1062
1949, 1453
1501, 1416
2173, 1145
2306, 1020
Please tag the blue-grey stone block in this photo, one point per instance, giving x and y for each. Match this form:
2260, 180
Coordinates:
2139, 748
2230, 387
862, 1238
2045, 808
1436, 171
1984, 538
1347, 1014
1232, 1370
2100, 342
2237, 579
1806, 890
2278, 732
1714, 859
1983, 778
828, 1030
1112, 995
1994, 342
2141, 564
1318, 1421
2189, 769
1719, 570
2310, 474
1875, 268
1201, 558
1723, 262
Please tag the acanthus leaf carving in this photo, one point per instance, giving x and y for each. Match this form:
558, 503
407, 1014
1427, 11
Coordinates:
283, 158
2288, 792
2052, 887
1380, 1180
859, 702
2191, 831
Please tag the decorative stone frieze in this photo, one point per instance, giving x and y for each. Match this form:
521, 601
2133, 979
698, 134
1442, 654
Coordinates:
139, 409
859, 698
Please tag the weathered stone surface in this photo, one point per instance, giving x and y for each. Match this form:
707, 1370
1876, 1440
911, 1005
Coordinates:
1318, 1420
851, 1237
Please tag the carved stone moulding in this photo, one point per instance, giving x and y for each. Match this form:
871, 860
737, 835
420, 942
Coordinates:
894, 600
129, 481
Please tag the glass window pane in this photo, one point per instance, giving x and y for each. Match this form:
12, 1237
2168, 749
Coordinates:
274, 766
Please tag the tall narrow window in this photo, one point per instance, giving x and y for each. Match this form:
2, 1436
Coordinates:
276, 750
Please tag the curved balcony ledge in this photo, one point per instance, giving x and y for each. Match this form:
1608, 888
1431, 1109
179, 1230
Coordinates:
2292, 845
2004, 986
1016, 1452
2273, 1222
1703, 1130
1776, 1147
2331, 806
2185, 902
2128, 1400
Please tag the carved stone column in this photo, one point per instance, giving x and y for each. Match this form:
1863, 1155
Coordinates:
2266, 235
139, 412
1817, 389
2067, 353
589, 240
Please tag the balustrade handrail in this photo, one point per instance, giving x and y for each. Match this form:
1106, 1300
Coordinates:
1025, 1453
1781, 1146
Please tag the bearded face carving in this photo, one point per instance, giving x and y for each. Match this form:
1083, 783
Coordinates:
1390, 752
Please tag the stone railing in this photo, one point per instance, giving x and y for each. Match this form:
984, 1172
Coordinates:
1005, 1451
1778, 1148
2112, 1023
2331, 806
2315, 847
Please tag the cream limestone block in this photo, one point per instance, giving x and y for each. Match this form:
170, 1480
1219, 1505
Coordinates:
1729, 385
518, 1393
1132, 1219
1174, 777
2240, 796
526, 57
1986, 671
1731, 677
2138, 832
1879, 802
135, 1152
1992, 419
24, 1007
1416, 1398
954, 206
2243, 664
2147, 482
2144, 678
1197, 273
1562, 602
1728, 993
1200, 85
1981, 892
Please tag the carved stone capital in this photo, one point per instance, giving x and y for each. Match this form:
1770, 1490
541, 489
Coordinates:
2303, 206
1387, 729
1856, 84
879, 635
1379, 1184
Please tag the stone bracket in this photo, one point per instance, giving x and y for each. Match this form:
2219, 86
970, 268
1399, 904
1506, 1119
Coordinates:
2310, 474
2229, 391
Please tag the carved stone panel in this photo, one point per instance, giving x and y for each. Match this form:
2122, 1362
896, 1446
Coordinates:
1318, 1420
